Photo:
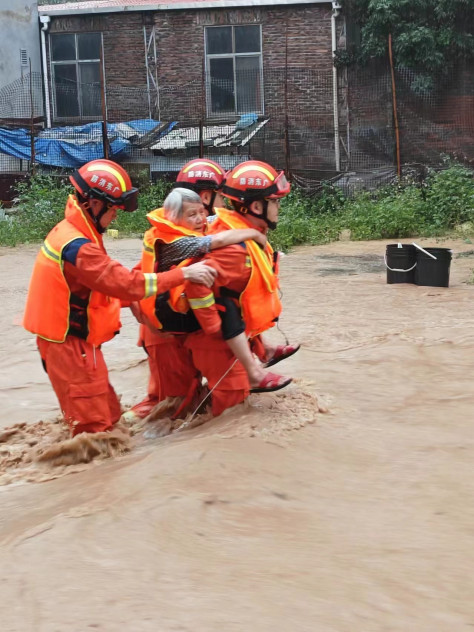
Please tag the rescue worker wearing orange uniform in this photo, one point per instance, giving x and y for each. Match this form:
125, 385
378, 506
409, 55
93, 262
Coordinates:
178, 235
75, 295
246, 279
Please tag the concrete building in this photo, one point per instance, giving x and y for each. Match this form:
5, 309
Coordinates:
20, 43
21, 94
20, 40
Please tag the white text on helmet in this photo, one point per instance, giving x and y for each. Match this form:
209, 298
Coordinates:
102, 182
201, 174
254, 181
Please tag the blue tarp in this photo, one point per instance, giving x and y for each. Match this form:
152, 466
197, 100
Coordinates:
73, 146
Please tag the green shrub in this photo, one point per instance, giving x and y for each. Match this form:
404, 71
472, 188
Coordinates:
8, 232
308, 219
450, 197
39, 206
392, 216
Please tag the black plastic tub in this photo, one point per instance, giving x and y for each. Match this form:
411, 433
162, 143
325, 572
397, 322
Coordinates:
401, 261
434, 272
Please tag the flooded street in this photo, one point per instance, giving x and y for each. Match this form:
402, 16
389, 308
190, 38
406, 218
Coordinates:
273, 517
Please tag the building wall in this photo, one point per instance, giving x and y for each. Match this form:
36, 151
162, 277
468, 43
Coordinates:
181, 50
19, 31
308, 46
297, 72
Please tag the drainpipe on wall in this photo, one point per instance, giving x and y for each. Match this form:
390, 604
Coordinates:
45, 20
336, 7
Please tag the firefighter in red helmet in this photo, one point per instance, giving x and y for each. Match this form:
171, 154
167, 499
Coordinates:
178, 234
246, 284
205, 177
256, 189
76, 291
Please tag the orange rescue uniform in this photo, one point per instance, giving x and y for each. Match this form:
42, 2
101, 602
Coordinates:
246, 274
171, 369
210, 352
73, 306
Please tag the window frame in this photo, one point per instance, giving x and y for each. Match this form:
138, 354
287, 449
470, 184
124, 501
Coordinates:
222, 115
76, 62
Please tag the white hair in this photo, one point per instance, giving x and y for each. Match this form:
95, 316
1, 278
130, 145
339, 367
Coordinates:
173, 204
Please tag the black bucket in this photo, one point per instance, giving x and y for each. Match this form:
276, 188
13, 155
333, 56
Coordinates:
434, 272
400, 263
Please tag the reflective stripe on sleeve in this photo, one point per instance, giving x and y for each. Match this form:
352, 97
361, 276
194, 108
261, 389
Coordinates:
50, 252
147, 247
151, 283
202, 303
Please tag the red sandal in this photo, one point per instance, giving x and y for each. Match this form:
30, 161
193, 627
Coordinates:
281, 353
271, 382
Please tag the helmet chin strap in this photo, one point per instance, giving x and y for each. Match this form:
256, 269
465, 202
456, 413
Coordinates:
271, 225
96, 218
210, 206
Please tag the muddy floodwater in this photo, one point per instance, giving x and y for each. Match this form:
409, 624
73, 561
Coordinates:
275, 517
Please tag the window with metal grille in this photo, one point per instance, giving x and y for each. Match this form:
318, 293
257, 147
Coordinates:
75, 63
234, 73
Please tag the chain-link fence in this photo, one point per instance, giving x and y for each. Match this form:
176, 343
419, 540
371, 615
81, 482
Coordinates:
291, 117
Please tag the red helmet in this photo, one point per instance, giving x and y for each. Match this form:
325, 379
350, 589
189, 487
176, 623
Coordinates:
201, 174
255, 180
106, 180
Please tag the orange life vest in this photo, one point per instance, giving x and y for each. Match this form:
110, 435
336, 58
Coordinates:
260, 301
176, 304
47, 312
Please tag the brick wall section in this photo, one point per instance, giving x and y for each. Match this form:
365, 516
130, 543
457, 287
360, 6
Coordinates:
308, 51
182, 64
124, 59
299, 35
180, 52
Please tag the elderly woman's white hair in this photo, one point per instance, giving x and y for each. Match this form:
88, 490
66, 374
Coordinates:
173, 204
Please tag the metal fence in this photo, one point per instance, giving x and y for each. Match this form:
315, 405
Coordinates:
285, 116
